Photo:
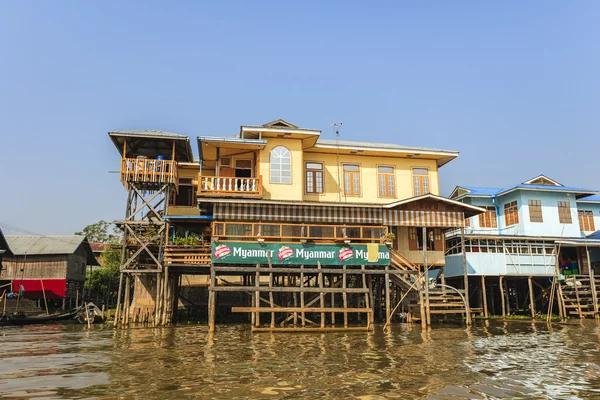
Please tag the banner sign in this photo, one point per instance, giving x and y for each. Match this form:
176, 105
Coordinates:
298, 254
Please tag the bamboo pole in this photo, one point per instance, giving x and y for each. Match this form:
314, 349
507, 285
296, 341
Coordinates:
44, 293
257, 295
127, 299
592, 282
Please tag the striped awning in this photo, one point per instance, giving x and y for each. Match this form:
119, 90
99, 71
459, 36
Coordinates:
449, 219
294, 213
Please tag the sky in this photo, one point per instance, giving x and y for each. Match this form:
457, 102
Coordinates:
513, 86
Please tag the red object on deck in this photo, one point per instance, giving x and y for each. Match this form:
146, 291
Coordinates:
54, 288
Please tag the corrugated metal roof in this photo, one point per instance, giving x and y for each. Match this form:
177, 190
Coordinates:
489, 192
42, 245
149, 133
590, 199
373, 145
595, 235
4, 247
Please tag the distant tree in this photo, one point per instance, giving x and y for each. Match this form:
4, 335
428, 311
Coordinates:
101, 232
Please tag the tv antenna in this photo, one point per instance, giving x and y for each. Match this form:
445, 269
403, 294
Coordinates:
337, 126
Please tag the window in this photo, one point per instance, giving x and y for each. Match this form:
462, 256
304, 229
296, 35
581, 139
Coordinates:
226, 162
511, 213
314, 177
586, 220
385, 177
281, 165
488, 218
420, 181
535, 211
564, 212
184, 197
434, 239
351, 180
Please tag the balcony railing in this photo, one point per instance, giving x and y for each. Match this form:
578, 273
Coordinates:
273, 232
188, 255
229, 186
144, 170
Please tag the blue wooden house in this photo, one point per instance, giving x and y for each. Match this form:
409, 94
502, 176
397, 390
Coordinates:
531, 232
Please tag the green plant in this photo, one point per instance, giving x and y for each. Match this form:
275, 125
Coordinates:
390, 236
187, 241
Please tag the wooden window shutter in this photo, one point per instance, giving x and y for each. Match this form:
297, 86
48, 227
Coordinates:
412, 239
437, 238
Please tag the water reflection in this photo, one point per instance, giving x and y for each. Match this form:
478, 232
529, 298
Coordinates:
489, 360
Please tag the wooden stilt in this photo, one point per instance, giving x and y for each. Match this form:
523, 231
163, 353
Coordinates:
426, 276
321, 295
367, 302
257, 295
126, 303
465, 273
157, 299
387, 293
422, 300
302, 295
592, 283
502, 298
212, 300
332, 301
484, 294
345, 296
165, 297
531, 298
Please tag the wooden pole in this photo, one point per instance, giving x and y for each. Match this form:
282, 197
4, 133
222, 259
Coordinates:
367, 302
387, 294
531, 298
465, 273
321, 295
426, 273
211, 300
157, 299
44, 293
165, 298
257, 295
592, 282
502, 298
127, 299
484, 292
332, 300
117, 313
302, 295
345, 296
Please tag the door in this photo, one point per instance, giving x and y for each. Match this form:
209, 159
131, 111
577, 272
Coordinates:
225, 168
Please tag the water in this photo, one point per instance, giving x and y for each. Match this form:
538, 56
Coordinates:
489, 360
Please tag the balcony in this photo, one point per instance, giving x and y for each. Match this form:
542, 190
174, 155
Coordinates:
148, 171
187, 255
275, 232
221, 186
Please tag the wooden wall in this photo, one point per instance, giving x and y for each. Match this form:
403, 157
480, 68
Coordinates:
35, 267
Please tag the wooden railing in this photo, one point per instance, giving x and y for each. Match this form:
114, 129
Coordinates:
277, 231
146, 170
189, 255
229, 186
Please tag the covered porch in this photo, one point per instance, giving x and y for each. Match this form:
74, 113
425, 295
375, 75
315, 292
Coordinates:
229, 167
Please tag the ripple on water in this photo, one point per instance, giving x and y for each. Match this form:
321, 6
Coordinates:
490, 360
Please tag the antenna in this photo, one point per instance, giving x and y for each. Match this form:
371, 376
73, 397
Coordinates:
337, 126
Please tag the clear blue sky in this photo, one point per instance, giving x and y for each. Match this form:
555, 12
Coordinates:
514, 86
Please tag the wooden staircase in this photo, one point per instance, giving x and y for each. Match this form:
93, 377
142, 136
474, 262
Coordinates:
580, 295
442, 301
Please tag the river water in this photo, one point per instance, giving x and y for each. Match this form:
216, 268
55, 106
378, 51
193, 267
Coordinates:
489, 360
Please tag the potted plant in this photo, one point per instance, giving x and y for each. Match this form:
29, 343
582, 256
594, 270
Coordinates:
389, 238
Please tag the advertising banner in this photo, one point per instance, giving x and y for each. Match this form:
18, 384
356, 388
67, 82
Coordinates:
298, 254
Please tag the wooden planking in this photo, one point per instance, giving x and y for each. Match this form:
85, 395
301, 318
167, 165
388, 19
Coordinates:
299, 309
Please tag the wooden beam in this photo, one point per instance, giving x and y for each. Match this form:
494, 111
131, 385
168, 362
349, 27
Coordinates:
315, 329
484, 293
502, 298
465, 272
299, 309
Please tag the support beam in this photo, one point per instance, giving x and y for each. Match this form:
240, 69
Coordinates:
502, 298
531, 297
484, 293
465, 272
211, 301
